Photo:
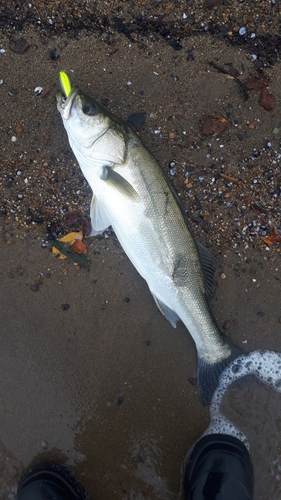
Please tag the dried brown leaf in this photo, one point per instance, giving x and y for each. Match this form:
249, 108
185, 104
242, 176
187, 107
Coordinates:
212, 125
79, 247
256, 83
267, 100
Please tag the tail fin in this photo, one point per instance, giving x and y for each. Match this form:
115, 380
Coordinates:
208, 374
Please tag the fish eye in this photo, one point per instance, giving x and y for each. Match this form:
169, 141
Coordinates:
90, 109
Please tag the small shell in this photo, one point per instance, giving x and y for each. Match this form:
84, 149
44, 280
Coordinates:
38, 90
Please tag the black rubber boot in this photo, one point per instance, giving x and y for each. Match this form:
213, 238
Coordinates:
218, 468
50, 482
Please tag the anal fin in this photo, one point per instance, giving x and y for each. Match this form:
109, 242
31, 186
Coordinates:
169, 314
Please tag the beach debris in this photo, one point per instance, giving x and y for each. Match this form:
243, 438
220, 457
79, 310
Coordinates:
71, 246
79, 247
274, 237
267, 100
225, 72
229, 178
256, 83
212, 125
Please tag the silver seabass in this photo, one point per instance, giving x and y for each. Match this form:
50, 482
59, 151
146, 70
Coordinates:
131, 193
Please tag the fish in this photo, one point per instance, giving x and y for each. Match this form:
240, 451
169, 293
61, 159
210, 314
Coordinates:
132, 194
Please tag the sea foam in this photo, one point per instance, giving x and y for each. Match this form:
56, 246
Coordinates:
265, 365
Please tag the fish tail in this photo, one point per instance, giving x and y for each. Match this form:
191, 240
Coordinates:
208, 373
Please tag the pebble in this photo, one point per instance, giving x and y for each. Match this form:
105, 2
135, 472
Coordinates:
192, 380
38, 280
227, 324
34, 288
119, 400
189, 169
20, 46
65, 307
19, 129
12, 92
242, 31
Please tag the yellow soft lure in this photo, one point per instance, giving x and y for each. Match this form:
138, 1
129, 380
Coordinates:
65, 83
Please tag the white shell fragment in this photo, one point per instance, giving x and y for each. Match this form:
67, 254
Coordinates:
38, 90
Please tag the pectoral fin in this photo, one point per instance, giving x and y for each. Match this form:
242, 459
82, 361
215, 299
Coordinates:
99, 218
118, 182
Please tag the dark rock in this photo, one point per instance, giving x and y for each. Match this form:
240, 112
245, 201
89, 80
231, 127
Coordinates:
65, 307
20, 46
192, 380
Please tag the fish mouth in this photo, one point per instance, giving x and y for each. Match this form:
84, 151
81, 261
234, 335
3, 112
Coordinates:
64, 105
